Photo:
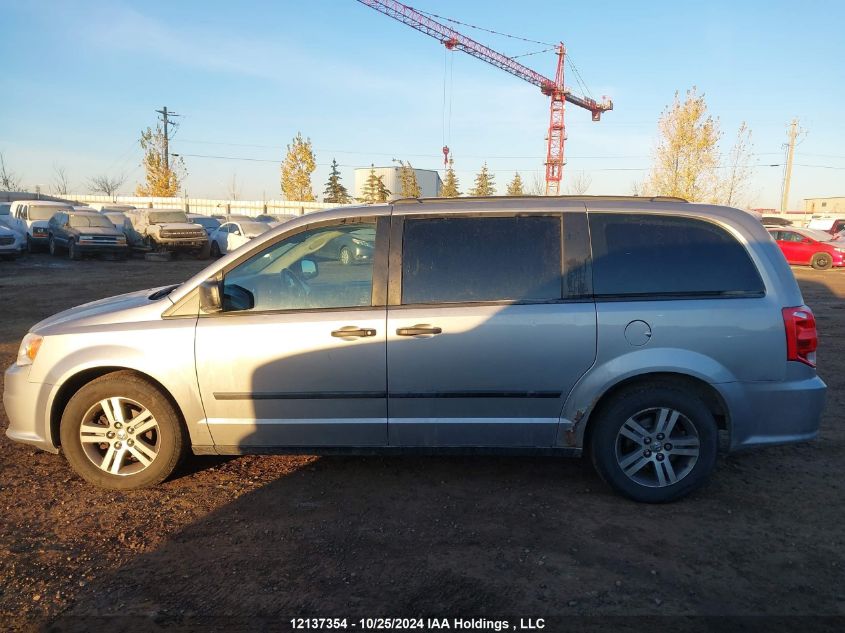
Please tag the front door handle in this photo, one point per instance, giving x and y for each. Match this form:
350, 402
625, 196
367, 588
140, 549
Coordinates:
420, 329
353, 331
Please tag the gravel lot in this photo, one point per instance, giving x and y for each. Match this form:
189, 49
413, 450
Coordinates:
280, 536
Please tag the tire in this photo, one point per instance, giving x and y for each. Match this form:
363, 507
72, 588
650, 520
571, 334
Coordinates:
73, 252
52, 246
345, 256
204, 252
630, 452
821, 261
118, 461
215, 249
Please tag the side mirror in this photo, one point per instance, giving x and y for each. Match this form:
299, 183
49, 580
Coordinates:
308, 268
209, 293
806, 240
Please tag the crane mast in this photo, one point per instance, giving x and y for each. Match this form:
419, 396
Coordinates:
555, 89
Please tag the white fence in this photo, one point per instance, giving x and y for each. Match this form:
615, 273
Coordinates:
207, 206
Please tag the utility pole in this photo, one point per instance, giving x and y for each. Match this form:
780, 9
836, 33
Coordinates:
787, 175
165, 114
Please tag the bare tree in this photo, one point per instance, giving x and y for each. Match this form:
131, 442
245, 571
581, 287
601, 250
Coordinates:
736, 181
536, 187
106, 184
60, 185
9, 180
579, 184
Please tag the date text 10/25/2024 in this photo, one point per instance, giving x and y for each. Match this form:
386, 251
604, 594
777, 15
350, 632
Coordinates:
418, 624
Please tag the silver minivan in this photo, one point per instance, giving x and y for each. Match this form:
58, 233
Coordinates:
632, 330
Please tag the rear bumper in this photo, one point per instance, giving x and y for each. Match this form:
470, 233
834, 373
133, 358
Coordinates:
26, 407
768, 413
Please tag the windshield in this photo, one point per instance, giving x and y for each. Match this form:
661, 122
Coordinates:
44, 212
254, 229
208, 223
161, 217
90, 220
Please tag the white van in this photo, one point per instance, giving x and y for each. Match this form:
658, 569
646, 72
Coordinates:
30, 218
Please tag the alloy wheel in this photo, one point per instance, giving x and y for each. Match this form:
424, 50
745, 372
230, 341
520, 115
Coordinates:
120, 436
657, 447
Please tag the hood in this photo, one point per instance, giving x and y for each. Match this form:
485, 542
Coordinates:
120, 308
181, 226
98, 230
7, 232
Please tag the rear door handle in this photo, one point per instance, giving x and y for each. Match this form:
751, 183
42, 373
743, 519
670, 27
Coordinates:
353, 331
420, 329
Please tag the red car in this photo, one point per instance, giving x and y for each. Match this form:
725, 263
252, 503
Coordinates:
809, 246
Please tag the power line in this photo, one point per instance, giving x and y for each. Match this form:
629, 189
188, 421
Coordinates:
481, 28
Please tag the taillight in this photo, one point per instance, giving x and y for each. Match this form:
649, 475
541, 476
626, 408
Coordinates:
801, 337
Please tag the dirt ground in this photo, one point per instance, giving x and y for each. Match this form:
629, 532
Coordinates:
280, 537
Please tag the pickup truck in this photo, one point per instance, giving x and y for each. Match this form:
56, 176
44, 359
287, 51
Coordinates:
166, 230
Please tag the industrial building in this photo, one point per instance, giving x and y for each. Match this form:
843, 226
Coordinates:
825, 205
428, 180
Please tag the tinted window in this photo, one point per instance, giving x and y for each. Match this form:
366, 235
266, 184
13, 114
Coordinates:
305, 271
653, 255
453, 260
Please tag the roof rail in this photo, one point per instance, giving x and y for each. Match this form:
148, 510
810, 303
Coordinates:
570, 197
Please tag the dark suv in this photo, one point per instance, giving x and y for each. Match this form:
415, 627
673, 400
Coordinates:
81, 232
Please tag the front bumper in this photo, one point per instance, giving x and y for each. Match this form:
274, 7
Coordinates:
181, 245
26, 407
103, 248
769, 413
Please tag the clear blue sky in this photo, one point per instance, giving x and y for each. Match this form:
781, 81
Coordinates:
81, 79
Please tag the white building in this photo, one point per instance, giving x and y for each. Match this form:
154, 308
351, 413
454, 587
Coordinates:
825, 205
428, 180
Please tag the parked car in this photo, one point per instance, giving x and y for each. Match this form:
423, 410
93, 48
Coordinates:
828, 225
775, 220
810, 247
231, 235
11, 244
117, 218
30, 219
351, 248
167, 230
205, 221
553, 326
118, 208
274, 218
6, 214
81, 233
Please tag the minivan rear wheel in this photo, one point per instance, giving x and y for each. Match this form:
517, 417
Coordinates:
120, 432
821, 261
655, 443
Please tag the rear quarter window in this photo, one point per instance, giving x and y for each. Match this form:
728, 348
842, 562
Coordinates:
654, 255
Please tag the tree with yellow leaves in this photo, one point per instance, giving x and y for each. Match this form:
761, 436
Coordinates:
297, 167
163, 174
450, 183
515, 187
484, 183
687, 157
409, 187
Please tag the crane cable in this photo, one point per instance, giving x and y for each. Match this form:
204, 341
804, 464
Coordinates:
446, 115
481, 28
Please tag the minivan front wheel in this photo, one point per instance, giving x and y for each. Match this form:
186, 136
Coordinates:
120, 432
655, 443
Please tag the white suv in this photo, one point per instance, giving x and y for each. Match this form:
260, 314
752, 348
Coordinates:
30, 219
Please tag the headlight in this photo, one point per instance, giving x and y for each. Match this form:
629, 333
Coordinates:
355, 240
30, 345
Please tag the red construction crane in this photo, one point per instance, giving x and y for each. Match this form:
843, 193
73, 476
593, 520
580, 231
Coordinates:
556, 89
